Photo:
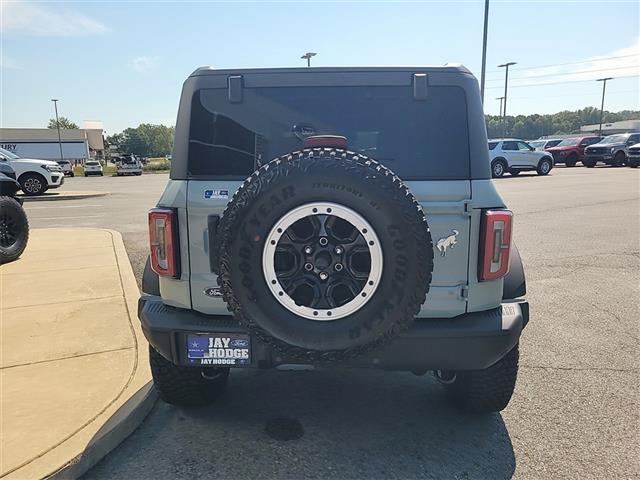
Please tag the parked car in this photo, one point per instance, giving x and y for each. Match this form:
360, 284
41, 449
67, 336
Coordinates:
66, 166
323, 256
545, 143
633, 156
514, 156
14, 226
34, 176
571, 150
92, 167
128, 165
611, 150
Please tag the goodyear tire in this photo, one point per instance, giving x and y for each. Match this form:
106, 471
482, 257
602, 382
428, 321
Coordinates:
187, 386
14, 229
324, 254
488, 390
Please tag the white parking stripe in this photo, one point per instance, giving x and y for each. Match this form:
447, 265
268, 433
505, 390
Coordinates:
59, 218
61, 206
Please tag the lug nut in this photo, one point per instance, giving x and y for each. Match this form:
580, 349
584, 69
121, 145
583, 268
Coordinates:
323, 241
339, 250
308, 267
323, 275
308, 250
338, 267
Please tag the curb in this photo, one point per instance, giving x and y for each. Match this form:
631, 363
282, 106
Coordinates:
62, 196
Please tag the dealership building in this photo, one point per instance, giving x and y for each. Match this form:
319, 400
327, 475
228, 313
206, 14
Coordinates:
77, 145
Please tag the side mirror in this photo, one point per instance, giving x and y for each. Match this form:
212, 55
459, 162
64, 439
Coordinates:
531, 148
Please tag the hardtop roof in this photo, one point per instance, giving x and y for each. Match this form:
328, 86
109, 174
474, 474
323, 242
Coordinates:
447, 68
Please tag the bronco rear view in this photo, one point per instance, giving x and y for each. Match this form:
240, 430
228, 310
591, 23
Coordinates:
333, 217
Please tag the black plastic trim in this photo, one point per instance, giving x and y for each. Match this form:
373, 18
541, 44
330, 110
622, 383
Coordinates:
470, 341
515, 284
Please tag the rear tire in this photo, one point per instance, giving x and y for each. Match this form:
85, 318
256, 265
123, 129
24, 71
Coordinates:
544, 167
571, 160
14, 229
488, 390
186, 386
619, 159
589, 163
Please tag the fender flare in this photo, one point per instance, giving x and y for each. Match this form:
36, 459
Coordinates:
515, 284
150, 280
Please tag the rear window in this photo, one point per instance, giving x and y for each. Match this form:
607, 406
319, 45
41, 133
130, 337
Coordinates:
417, 139
552, 143
493, 145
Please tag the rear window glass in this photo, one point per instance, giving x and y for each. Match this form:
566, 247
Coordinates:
492, 145
426, 139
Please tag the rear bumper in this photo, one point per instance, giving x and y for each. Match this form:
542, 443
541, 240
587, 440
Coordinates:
467, 342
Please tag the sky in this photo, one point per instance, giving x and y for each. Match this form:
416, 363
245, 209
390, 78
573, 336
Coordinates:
124, 62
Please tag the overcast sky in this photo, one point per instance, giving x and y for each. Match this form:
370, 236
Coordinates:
124, 62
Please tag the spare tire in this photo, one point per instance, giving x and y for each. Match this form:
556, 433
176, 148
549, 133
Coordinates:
324, 254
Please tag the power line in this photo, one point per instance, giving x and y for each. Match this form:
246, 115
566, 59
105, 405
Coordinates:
559, 83
565, 74
600, 59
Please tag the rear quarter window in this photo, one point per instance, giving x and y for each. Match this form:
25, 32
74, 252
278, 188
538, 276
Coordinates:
417, 139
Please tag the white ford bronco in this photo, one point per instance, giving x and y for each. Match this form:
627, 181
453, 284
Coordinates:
333, 217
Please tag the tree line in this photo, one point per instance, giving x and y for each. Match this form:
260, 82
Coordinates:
148, 140
561, 123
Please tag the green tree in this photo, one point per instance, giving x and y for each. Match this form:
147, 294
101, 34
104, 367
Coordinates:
65, 124
146, 140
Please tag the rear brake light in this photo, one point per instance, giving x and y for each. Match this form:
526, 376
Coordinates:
163, 240
326, 141
496, 246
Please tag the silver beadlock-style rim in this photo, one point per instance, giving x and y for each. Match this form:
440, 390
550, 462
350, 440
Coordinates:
327, 245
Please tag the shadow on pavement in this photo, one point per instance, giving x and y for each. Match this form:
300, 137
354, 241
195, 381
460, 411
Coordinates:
354, 424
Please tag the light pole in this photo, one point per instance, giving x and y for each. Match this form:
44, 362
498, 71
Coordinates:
504, 105
484, 48
604, 86
501, 125
55, 105
308, 56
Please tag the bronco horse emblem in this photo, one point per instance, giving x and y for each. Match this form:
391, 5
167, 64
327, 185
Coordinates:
447, 242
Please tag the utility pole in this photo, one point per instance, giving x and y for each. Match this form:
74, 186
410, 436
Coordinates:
604, 86
484, 48
55, 105
501, 119
504, 107
308, 56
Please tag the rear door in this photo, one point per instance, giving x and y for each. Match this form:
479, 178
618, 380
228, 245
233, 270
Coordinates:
424, 141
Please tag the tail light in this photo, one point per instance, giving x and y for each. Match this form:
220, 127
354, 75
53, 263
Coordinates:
496, 246
163, 240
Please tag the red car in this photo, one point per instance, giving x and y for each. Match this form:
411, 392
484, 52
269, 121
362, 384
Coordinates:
571, 150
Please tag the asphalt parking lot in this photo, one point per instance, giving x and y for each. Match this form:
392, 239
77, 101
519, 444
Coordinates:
576, 406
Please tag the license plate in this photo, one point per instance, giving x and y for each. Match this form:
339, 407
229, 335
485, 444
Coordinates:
224, 349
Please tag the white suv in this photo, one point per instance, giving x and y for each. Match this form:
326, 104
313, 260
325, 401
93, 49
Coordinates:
514, 156
92, 167
35, 176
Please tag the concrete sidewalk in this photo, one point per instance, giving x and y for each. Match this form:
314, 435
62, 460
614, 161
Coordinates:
74, 374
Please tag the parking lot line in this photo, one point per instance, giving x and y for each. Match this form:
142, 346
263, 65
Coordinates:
79, 216
62, 206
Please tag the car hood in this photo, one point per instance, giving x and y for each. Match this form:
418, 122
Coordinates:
35, 161
562, 149
609, 145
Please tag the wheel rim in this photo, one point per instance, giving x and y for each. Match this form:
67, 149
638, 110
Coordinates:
8, 230
544, 168
322, 261
32, 185
498, 169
